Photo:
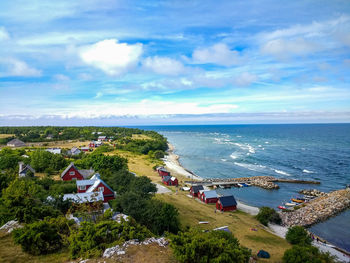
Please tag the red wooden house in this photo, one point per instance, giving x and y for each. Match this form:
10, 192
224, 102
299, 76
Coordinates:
226, 203
96, 184
162, 171
194, 191
170, 180
72, 173
209, 196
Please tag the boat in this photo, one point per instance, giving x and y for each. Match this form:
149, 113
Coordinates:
296, 200
282, 207
240, 185
244, 184
290, 204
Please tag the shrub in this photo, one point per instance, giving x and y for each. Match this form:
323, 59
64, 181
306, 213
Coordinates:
43, 237
302, 254
298, 235
267, 214
215, 246
91, 239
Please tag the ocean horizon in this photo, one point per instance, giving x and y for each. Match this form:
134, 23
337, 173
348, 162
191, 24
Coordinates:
318, 152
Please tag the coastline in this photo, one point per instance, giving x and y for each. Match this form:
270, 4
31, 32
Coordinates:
172, 162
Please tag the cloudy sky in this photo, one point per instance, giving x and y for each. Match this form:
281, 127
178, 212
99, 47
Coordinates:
111, 62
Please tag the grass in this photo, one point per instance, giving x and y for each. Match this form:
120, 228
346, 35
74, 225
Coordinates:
10, 252
141, 137
5, 135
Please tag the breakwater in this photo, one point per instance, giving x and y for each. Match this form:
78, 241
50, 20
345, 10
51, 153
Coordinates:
318, 209
266, 182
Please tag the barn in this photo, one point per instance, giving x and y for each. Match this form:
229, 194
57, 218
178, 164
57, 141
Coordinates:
226, 203
194, 191
162, 171
170, 180
72, 173
209, 197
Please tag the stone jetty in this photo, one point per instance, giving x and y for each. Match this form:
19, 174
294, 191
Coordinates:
266, 182
312, 192
318, 209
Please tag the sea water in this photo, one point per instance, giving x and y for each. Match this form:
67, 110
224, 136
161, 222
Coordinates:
302, 151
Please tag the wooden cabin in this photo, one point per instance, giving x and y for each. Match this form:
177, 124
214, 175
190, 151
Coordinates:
209, 196
194, 191
72, 173
162, 171
226, 203
170, 180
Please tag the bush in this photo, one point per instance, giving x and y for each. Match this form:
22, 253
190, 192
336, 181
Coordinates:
43, 237
297, 235
91, 239
267, 214
215, 246
309, 254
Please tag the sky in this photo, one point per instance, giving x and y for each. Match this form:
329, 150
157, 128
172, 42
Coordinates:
111, 62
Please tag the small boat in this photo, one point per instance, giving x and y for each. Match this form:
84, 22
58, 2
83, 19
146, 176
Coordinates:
240, 185
298, 200
282, 207
290, 204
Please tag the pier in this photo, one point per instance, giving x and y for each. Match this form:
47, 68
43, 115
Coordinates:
266, 182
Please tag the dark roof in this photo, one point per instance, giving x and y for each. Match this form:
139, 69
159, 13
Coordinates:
163, 169
196, 188
16, 143
27, 167
166, 178
228, 200
66, 170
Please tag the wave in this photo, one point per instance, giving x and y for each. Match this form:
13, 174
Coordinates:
224, 160
281, 172
252, 167
308, 171
233, 156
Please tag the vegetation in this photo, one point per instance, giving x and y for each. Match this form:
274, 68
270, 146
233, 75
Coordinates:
267, 214
309, 254
215, 246
43, 161
297, 235
91, 239
43, 237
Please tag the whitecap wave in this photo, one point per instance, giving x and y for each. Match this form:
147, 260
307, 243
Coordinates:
252, 167
308, 171
281, 172
224, 160
233, 156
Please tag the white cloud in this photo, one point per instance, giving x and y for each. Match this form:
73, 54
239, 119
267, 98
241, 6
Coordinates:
4, 35
217, 54
284, 48
61, 77
164, 65
245, 79
18, 68
98, 95
112, 57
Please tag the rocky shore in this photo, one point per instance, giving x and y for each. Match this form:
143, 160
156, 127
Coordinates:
312, 192
318, 209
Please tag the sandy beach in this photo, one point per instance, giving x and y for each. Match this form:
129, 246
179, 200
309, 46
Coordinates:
172, 163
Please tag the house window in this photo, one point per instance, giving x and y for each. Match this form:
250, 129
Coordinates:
72, 173
82, 187
101, 189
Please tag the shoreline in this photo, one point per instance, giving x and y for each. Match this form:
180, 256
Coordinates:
172, 162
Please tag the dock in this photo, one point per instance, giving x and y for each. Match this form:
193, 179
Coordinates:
266, 182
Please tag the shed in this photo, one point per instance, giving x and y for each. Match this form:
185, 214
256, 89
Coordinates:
162, 171
16, 143
170, 180
209, 197
226, 203
195, 190
25, 170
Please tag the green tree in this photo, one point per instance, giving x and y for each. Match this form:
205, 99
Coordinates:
298, 235
215, 246
306, 254
267, 214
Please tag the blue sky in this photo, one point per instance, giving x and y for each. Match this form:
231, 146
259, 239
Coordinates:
110, 62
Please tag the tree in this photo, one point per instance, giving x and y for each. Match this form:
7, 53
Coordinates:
297, 235
215, 246
267, 214
43, 237
306, 254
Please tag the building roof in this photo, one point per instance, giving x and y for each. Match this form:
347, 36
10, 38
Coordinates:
86, 173
173, 178
26, 167
196, 188
98, 180
228, 200
75, 150
162, 169
16, 143
84, 197
210, 194
85, 182
166, 178
54, 150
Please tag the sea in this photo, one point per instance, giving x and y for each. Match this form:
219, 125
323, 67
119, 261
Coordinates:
297, 151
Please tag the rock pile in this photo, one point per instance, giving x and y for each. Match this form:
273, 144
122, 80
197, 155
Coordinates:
312, 192
120, 250
318, 209
10, 226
